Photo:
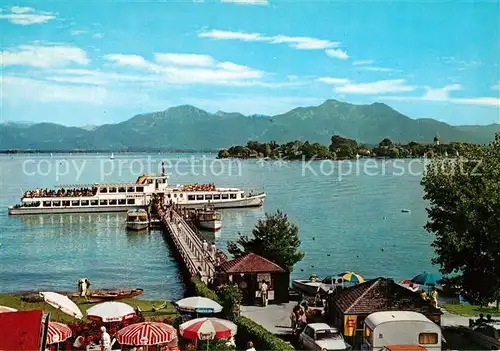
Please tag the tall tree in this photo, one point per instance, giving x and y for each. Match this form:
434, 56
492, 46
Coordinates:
274, 238
464, 214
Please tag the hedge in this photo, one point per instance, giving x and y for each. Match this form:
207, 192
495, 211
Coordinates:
248, 330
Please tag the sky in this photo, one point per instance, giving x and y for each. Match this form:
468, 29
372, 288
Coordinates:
95, 62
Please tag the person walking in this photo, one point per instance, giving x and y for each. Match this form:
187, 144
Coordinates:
205, 247
213, 250
263, 293
105, 340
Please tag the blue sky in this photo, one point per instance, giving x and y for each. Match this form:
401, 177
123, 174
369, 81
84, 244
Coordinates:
79, 63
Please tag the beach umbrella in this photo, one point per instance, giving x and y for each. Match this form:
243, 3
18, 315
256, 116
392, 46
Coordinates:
7, 309
147, 333
57, 332
62, 303
352, 277
427, 279
207, 329
198, 304
406, 282
111, 312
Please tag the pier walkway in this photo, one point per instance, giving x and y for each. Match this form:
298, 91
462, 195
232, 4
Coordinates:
198, 261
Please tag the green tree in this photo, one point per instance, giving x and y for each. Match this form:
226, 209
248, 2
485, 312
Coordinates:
230, 297
464, 214
274, 238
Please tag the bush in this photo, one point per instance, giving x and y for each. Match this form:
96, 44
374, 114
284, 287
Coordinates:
230, 296
200, 289
248, 330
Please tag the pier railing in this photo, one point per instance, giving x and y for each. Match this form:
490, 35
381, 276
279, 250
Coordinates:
190, 247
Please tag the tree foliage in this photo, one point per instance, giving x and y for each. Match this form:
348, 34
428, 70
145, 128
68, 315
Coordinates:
464, 214
274, 238
230, 297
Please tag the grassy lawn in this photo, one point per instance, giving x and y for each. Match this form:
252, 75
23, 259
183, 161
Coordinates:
146, 307
470, 311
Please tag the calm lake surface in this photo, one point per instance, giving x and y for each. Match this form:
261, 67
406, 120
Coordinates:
349, 217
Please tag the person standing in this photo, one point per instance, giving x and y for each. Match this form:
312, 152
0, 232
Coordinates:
213, 250
263, 293
205, 247
434, 297
105, 340
250, 346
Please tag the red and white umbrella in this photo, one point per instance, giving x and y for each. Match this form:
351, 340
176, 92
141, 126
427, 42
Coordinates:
111, 312
57, 332
208, 329
147, 333
7, 309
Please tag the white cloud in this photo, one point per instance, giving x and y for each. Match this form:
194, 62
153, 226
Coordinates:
77, 32
184, 59
21, 9
170, 69
98, 35
378, 87
496, 87
128, 60
329, 80
461, 65
43, 56
26, 16
301, 43
84, 76
362, 62
337, 53
247, 2
443, 95
27, 89
379, 69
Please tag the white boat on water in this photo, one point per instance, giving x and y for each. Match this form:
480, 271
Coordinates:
112, 156
208, 218
137, 219
313, 285
120, 197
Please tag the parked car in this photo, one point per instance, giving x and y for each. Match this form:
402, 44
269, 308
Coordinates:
322, 337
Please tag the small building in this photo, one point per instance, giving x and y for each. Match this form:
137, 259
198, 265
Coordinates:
348, 308
250, 270
23, 330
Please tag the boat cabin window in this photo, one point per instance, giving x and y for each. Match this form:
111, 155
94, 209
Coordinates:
168, 195
130, 201
130, 189
225, 196
56, 203
85, 202
75, 203
47, 204
368, 335
427, 338
121, 190
191, 197
175, 195
150, 181
66, 203
94, 202
103, 190
122, 202
181, 195
140, 189
112, 190
233, 196
112, 202
216, 196
199, 197
103, 202
208, 197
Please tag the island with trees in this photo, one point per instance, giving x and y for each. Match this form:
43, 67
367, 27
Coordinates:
341, 148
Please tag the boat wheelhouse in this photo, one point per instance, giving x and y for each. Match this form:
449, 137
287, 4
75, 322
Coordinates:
207, 218
121, 197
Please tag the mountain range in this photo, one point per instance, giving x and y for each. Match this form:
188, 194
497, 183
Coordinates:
189, 128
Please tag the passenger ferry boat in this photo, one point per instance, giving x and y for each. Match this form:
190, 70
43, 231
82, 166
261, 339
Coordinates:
208, 218
137, 219
120, 197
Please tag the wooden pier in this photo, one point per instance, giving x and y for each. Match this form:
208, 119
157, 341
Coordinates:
199, 262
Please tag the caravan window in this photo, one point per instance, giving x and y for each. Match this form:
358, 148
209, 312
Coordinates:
427, 338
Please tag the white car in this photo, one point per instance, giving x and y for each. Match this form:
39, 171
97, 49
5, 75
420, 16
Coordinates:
322, 337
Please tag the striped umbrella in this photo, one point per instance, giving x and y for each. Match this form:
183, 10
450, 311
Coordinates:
57, 332
352, 277
146, 333
208, 329
7, 309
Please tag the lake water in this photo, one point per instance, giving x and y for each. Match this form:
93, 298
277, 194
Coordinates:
348, 220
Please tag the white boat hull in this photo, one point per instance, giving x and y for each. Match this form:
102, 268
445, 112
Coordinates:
213, 225
137, 225
86, 209
254, 201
